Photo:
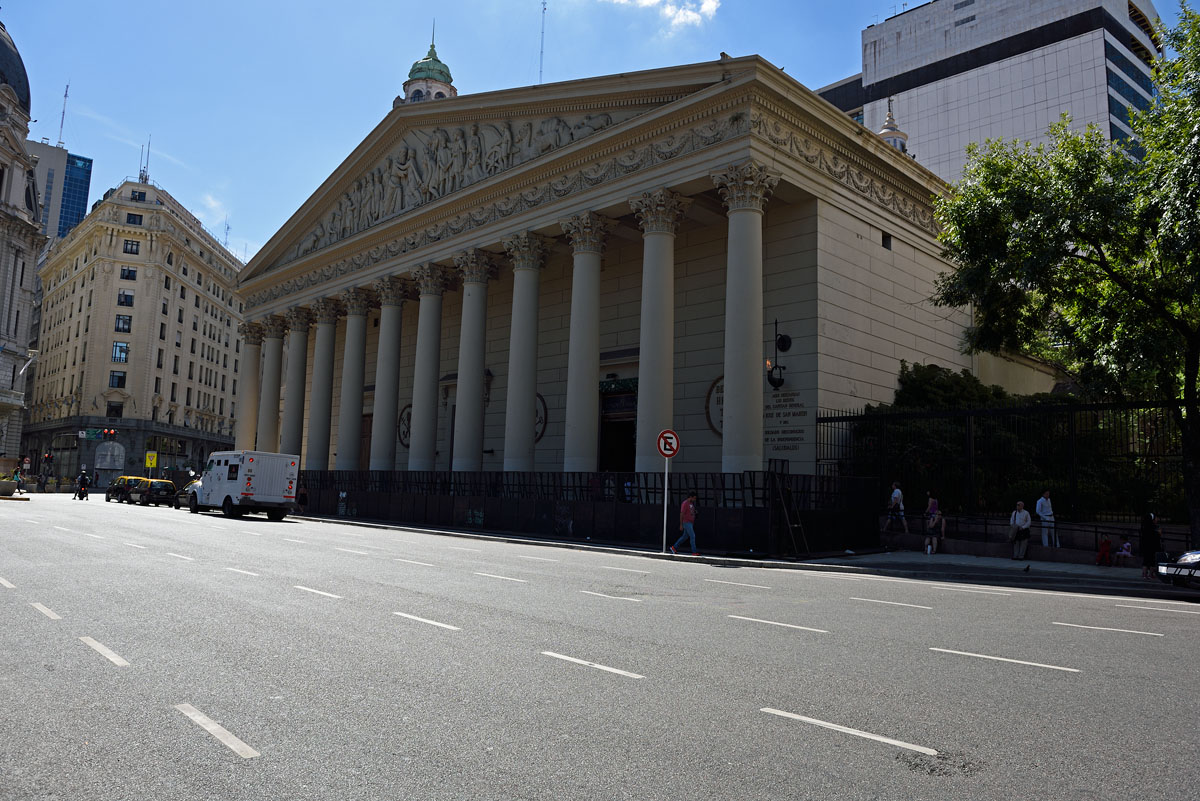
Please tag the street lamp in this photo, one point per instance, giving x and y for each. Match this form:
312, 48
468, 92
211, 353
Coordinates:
783, 342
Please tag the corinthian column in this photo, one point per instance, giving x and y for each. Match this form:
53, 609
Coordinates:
475, 269
658, 214
586, 232
358, 302
744, 188
327, 311
247, 421
431, 283
392, 294
291, 435
268, 402
526, 250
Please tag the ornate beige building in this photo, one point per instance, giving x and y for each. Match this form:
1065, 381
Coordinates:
544, 278
139, 334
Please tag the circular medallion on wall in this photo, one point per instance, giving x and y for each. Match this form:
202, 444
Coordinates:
714, 405
539, 427
404, 425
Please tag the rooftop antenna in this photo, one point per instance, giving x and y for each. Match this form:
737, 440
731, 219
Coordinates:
225, 244
144, 172
433, 36
542, 51
63, 119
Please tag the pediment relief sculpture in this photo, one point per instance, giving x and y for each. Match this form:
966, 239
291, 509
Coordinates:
430, 164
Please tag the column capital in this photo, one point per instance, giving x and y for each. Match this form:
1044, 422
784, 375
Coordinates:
392, 291
526, 250
745, 186
328, 310
586, 231
251, 333
475, 266
659, 212
430, 279
274, 326
358, 301
299, 318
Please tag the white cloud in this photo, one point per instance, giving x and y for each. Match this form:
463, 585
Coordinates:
678, 13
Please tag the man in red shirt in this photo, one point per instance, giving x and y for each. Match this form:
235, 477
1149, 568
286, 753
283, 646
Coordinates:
687, 517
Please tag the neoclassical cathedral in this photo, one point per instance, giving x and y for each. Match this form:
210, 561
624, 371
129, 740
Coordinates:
544, 278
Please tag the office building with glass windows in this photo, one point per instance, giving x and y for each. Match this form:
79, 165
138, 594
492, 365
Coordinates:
962, 71
64, 179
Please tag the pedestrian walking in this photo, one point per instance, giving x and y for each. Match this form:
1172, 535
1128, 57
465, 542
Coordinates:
1045, 513
687, 524
17, 477
41, 482
935, 524
1018, 530
1150, 542
895, 509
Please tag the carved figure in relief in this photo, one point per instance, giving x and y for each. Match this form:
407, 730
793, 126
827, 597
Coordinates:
474, 145
458, 160
349, 216
499, 156
334, 227
590, 124
525, 144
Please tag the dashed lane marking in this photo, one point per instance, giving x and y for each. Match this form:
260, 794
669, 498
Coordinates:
180, 556
348, 550
506, 578
890, 603
614, 597
1104, 628
302, 542
1004, 659
245, 572
60, 528
738, 584
773, 623
318, 592
622, 569
460, 548
1159, 609
586, 663
4, 583
217, 730
94, 536
960, 589
430, 622
131, 545
104, 651
847, 730
47, 612
537, 558
414, 562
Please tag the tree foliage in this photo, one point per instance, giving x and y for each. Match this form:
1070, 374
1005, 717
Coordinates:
1079, 252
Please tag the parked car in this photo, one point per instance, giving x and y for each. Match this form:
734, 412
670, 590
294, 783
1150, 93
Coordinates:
1183, 571
152, 491
181, 496
118, 490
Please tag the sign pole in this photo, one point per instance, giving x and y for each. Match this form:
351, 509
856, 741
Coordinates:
666, 498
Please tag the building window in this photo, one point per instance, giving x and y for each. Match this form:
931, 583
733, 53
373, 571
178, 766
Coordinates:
179, 339
137, 195
162, 331
115, 409
129, 273
195, 323
124, 323
174, 392
124, 297
887, 241
188, 400
116, 379
159, 363
191, 370
175, 366
133, 219
120, 352
180, 316
193, 345
964, 20
131, 246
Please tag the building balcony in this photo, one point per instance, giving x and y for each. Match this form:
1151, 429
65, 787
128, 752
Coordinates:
11, 401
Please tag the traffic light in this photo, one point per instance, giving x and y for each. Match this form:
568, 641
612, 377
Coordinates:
48, 458
110, 433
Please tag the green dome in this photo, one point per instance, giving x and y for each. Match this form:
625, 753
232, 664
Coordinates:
430, 68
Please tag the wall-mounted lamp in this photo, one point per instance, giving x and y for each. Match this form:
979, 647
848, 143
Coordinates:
783, 342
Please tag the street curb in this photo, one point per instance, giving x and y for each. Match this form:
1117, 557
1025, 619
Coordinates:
1039, 581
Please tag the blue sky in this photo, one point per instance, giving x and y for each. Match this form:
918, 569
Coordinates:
252, 104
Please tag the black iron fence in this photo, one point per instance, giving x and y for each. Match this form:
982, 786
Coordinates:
752, 512
1101, 462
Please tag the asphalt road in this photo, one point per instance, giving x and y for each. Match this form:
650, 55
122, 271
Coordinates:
146, 653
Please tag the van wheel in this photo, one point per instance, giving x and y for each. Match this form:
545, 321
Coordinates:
193, 504
276, 514
227, 507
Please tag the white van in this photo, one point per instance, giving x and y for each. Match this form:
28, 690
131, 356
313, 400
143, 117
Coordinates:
238, 482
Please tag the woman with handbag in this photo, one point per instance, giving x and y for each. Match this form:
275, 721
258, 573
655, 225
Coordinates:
1018, 530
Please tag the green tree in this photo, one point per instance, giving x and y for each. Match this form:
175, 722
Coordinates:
1083, 253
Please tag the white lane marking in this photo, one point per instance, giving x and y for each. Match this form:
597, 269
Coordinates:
1159, 609
4, 583
1004, 659
593, 665
430, 622
217, 730
47, 612
847, 730
891, 603
506, 578
302, 542
960, 589
622, 569
614, 597
253, 533
414, 562
460, 548
105, 652
841, 578
318, 592
738, 584
218, 528
94, 536
60, 528
31, 520
180, 556
352, 534
348, 550
1104, 628
773, 623
246, 572
537, 558
131, 545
